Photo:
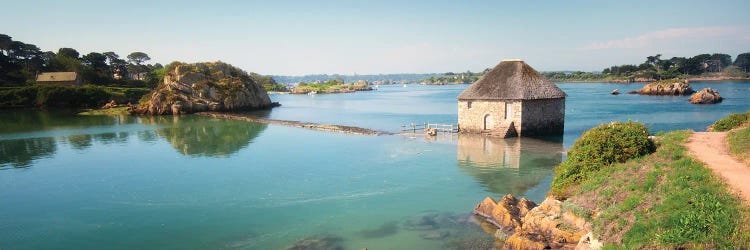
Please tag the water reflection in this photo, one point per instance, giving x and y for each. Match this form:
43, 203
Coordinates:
200, 136
512, 165
189, 135
20, 153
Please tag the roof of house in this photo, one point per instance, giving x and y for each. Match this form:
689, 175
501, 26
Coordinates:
512, 79
57, 77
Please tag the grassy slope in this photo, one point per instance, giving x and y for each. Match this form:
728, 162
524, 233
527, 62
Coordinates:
739, 144
730, 122
111, 111
663, 200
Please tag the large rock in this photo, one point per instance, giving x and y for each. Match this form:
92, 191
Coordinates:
210, 86
667, 87
706, 96
524, 225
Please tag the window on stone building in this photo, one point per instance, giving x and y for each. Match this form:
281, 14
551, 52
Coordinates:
468, 105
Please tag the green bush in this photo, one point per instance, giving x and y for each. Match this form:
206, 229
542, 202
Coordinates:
600, 147
730, 122
87, 96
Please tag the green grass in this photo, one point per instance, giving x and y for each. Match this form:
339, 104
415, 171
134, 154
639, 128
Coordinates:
111, 111
665, 200
731, 122
739, 144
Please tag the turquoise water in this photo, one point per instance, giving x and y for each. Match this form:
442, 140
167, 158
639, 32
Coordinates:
193, 182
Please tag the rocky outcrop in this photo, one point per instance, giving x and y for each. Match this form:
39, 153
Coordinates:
667, 87
706, 96
523, 225
212, 86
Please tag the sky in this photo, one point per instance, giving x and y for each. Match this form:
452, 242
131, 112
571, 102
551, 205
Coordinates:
373, 37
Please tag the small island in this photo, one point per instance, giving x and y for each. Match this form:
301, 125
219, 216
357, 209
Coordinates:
674, 87
197, 87
331, 86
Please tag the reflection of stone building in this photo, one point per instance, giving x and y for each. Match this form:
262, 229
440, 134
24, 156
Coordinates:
505, 166
489, 151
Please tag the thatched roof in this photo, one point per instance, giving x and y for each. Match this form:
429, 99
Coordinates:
512, 80
57, 77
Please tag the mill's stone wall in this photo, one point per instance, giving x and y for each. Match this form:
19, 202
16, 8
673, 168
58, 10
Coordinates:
543, 117
472, 119
530, 117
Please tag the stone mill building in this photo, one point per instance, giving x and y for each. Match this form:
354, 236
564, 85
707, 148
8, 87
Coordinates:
511, 100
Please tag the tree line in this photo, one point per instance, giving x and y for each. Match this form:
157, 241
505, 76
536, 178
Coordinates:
654, 67
21, 62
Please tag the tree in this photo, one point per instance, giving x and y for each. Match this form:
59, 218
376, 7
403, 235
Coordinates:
97, 61
68, 52
724, 59
654, 60
743, 61
138, 58
696, 65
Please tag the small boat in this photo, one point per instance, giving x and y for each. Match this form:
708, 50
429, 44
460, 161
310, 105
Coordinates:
312, 93
404, 85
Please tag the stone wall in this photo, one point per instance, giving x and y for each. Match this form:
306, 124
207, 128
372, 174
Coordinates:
472, 119
543, 117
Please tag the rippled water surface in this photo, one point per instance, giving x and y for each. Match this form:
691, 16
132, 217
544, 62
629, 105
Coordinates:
193, 182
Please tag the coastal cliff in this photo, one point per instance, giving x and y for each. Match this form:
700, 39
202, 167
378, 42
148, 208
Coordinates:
209, 86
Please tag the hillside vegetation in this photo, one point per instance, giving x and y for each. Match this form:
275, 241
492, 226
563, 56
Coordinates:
636, 199
88, 96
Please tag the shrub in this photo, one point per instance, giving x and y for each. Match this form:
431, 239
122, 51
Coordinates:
87, 96
730, 122
599, 147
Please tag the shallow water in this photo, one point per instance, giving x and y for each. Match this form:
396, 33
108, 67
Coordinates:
193, 182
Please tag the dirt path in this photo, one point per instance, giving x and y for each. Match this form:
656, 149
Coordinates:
712, 149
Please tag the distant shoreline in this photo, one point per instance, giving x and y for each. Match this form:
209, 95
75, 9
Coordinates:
690, 79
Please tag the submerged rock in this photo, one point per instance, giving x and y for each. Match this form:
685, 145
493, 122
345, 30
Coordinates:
615, 92
706, 96
384, 230
667, 87
210, 86
318, 242
434, 235
422, 223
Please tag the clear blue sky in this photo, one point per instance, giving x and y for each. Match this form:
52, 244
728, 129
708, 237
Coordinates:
306, 37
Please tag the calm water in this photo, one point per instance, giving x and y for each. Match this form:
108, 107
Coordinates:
192, 182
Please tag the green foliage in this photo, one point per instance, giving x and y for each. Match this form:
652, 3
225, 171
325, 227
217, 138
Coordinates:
330, 86
88, 96
739, 144
276, 87
579, 211
454, 78
665, 201
730, 122
598, 148
743, 61
268, 83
